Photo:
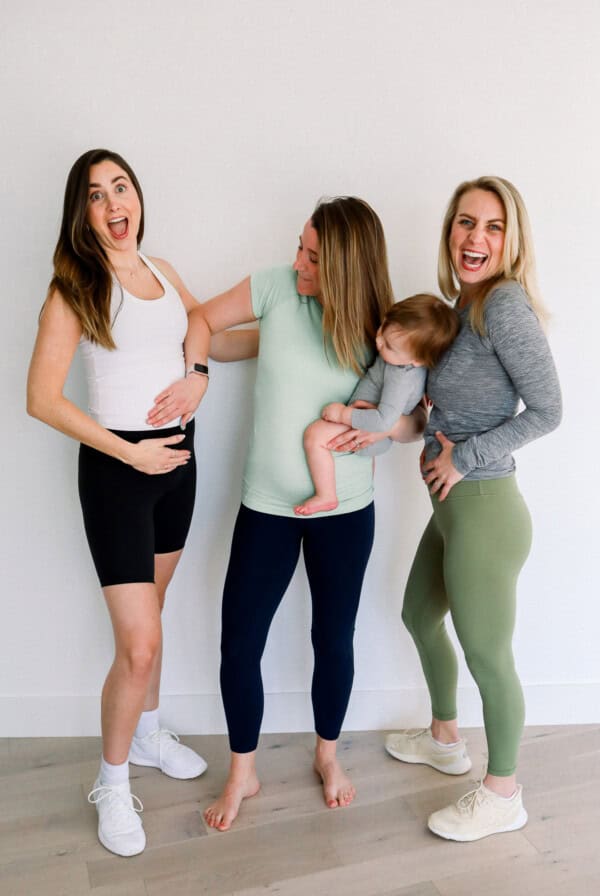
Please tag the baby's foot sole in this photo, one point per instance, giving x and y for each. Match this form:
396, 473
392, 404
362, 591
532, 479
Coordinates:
315, 505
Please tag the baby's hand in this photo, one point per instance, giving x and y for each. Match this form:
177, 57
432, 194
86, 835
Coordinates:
335, 412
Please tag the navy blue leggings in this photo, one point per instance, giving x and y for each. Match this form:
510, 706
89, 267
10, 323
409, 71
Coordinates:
264, 554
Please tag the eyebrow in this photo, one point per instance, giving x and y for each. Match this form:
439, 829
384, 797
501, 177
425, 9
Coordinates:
114, 180
472, 217
312, 251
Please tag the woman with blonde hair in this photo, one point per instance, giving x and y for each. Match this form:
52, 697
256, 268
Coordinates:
129, 316
479, 536
318, 322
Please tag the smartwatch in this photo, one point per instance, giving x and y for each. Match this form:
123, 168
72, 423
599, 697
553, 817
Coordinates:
202, 369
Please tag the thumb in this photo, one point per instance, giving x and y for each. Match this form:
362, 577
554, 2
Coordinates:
444, 442
173, 440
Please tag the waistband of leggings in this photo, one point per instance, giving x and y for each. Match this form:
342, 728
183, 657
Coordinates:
505, 485
136, 435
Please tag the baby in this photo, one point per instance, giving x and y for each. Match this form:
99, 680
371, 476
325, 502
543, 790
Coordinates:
413, 336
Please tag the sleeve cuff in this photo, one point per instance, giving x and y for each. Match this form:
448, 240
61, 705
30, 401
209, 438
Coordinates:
462, 457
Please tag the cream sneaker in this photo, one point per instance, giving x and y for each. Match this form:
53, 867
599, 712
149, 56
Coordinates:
478, 814
161, 749
418, 745
119, 825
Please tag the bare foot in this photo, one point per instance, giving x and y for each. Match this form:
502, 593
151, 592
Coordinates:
224, 811
337, 786
315, 504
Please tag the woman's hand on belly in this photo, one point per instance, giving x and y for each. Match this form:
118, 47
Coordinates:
154, 456
441, 474
180, 399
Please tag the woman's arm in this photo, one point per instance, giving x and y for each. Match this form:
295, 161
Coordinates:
58, 336
234, 345
226, 310
180, 399
409, 428
522, 348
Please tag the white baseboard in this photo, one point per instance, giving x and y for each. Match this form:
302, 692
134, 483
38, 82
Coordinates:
79, 716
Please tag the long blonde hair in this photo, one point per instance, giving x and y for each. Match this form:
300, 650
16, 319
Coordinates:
518, 256
82, 273
356, 290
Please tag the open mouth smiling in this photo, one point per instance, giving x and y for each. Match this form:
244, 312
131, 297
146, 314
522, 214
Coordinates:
119, 227
473, 261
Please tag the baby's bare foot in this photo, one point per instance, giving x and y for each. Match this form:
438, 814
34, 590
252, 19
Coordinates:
224, 810
338, 789
316, 504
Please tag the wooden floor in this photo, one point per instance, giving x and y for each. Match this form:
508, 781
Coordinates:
286, 842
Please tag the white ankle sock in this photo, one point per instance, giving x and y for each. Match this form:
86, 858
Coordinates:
440, 744
148, 722
113, 774
500, 797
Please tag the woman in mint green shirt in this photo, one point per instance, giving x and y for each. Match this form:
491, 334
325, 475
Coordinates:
317, 322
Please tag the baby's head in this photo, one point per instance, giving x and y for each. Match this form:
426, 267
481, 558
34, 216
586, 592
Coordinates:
417, 330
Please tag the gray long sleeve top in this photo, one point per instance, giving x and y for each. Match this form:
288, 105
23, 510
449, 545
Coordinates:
476, 387
396, 390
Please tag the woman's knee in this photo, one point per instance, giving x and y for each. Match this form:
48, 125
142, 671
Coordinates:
239, 651
139, 653
418, 623
333, 646
409, 617
490, 665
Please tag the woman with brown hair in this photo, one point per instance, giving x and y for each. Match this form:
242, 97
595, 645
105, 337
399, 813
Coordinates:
318, 322
129, 314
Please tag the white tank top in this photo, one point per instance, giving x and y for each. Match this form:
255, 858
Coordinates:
149, 333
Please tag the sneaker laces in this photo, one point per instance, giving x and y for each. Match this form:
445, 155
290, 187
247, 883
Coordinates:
121, 802
156, 737
469, 802
164, 737
413, 733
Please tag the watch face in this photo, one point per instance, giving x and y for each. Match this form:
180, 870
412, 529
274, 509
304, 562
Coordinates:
201, 368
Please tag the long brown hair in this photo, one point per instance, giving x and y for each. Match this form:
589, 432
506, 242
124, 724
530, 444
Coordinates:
355, 283
518, 257
82, 272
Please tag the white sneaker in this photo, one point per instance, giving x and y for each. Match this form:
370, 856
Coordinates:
161, 749
119, 825
478, 814
418, 745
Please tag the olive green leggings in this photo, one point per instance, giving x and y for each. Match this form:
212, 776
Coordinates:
468, 563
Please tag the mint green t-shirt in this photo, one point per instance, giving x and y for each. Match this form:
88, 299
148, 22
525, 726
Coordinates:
295, 379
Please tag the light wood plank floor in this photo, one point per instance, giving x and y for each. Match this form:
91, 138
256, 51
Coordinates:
286, 842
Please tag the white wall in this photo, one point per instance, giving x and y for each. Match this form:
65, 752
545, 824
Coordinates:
237, 117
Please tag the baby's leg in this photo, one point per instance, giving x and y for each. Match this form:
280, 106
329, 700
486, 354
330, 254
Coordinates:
321, 466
